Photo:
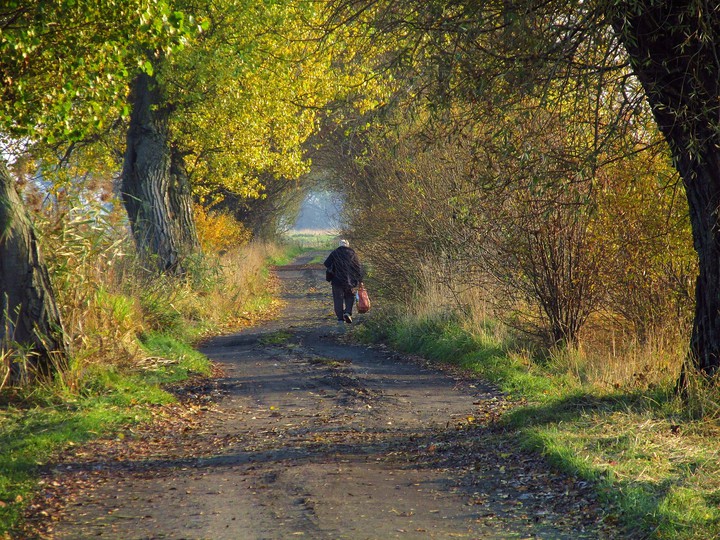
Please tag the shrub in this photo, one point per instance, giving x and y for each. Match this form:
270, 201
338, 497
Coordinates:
219, 231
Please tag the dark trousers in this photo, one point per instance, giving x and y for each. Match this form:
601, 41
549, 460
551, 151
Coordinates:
343, 299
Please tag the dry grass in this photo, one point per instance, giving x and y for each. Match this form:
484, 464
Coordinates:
632, 365
664, 474
703, 398
243, 290
87, 254
604, 358
314, 238
108, 300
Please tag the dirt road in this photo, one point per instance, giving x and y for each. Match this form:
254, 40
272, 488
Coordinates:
311, 437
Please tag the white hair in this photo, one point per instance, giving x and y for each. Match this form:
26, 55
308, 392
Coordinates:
345, 243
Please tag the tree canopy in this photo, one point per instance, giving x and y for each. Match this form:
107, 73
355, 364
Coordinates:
65, 64
550, 96
250, 92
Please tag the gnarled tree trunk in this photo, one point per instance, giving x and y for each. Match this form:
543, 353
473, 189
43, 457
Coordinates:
29, 317
674, 49
155, 188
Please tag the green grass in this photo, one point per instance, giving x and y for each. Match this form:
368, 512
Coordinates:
48, 419
296, 245
185, 360
312, 240
31, 432
288, 254
654, 466
276, 338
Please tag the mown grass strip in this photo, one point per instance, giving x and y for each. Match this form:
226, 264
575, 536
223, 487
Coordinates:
651, 463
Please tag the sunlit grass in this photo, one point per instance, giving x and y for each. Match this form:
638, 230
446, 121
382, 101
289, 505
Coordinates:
663, 475
43, 421
318, 259
276, 338
313, 239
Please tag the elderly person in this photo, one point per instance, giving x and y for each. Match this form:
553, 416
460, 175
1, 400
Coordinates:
344, 273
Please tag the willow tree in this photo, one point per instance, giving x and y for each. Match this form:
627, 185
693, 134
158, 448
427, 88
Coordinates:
64, 67
155, 187
674, 49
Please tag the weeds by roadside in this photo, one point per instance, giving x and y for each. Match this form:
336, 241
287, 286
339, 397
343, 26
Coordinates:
130, 333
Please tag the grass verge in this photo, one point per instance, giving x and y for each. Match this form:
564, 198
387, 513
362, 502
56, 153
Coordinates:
654, 465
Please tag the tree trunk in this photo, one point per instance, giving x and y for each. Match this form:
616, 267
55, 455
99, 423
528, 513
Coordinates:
181, 203
674, 52
155, 188
29, 318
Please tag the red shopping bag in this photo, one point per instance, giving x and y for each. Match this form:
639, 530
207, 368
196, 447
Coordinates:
363, 300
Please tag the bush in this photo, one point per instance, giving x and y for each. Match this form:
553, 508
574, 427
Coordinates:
219, 231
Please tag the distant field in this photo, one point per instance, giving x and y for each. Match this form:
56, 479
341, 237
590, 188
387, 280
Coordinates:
313, 238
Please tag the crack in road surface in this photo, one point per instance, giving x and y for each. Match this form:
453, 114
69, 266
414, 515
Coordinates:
313, 437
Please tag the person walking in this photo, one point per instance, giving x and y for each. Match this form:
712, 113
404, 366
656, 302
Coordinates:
344, 273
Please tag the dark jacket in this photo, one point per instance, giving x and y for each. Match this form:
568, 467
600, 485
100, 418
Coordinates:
343, 267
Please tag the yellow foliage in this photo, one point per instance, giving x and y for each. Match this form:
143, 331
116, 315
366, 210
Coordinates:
219, 231
254, 89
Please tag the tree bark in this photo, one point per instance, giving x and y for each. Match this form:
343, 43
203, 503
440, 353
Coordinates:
674, 49
29, 317
181, 203
155, 187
